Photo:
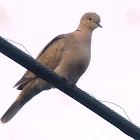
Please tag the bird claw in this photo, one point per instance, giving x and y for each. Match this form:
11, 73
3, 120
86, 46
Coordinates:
69, 83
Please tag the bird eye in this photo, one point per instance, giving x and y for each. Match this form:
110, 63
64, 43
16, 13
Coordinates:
89, 18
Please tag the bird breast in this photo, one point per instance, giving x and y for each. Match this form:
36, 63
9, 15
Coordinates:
75, 62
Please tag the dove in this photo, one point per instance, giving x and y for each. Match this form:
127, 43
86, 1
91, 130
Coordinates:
67, 54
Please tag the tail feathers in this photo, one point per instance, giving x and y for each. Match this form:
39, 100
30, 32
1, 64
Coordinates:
27, 93
12, 111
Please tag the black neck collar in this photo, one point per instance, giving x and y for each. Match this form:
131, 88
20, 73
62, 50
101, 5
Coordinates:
78, 30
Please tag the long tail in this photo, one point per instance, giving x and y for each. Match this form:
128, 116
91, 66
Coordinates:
12, 111
26, 94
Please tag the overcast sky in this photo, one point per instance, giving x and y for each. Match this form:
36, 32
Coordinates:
113, 74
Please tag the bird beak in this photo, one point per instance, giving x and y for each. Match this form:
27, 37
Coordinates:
99, 25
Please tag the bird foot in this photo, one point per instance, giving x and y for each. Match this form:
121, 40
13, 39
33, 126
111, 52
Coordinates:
69, 83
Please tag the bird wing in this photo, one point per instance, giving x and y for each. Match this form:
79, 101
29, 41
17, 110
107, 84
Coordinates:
50, 56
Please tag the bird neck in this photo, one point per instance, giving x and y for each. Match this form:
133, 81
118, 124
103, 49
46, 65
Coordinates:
84, 34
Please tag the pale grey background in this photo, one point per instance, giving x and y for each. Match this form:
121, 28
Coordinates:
113, 74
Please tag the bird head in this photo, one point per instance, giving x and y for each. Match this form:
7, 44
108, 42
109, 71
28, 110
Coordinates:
89, 21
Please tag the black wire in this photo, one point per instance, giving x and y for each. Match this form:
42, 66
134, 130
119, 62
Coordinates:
84, 98
117, 106
18, 44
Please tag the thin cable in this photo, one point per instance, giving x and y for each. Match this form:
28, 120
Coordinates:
119, 107
19, 44
114, 104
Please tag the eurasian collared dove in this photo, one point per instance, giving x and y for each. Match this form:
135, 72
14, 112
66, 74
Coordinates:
68, 55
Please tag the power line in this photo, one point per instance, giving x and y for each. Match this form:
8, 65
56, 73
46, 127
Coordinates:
84, 98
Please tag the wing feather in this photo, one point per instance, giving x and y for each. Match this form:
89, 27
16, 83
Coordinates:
50, 56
